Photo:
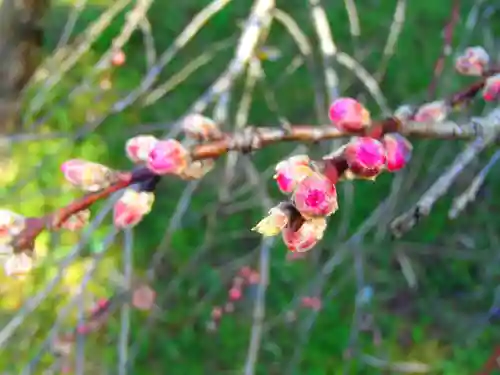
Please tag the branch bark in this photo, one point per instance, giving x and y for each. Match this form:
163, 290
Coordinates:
21, 38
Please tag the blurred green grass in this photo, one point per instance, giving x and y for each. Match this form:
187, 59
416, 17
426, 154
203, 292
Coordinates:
177, 340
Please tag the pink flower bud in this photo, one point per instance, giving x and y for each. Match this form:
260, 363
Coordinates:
200, 127
349, 115
168, 157
290, 171
432, 112
11, 224
306, 237
143, 298
77, 221
139, 147
18, 265
87, 175
315, 196
313, 303
197, 169
473, 62
398, 151
491, 90
235, 294
273, 223
365, 157
131, 208
118, 58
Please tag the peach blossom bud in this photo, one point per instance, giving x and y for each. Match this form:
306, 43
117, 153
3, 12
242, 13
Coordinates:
118, 58
290, 171
473, 62
349, 115
365, 157
432, 112
306, 237
87, 175
197, 169
131, 208
200, 127
398, 151
143, 298
491, 90
168, 157
315, 196
235, 294
77, 221
273, 223
18, 265
139, 147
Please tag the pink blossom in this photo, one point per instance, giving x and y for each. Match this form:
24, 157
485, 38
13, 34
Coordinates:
235, 294
272, 224
168, 157
197, 169
217, 313
491, 90
11, 224
131, 208
88, 176
200, 127
143, 298
291, 171
139, 147
432, 112
398, 151
315, 196
473, 62
349, 115
18, 265
306, 237
365, 157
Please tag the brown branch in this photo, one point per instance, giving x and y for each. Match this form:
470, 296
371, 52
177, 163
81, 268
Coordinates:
492, 363
255, 138
21, 38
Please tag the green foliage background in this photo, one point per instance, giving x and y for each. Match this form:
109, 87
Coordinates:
196, 267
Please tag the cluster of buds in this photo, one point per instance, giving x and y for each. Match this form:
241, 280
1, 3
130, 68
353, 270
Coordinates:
311, 186
11, 225
245, 278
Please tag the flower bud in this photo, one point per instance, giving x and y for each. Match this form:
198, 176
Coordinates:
87, 175
118, 58
404, 113
315, 196
365, 157
491, 90
200, 127
398, 151
432, 112
77, 221
131, 208
349, 115
168, 157
197, 169
18, 265
143, 298
139, 147
473, 62
273, 223
306, 237
290, 171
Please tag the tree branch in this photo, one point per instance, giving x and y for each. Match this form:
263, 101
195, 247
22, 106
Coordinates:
21, 38
255, 138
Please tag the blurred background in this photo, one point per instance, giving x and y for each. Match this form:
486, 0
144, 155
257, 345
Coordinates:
361, 302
